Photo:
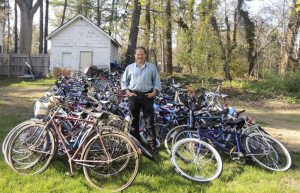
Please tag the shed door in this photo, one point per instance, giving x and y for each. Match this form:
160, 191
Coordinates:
85, 60
67, 60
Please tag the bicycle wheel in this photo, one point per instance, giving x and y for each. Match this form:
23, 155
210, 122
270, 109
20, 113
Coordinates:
184, 134
111, 162
7, 141
196, 160
32, 149
267, 152
171, 134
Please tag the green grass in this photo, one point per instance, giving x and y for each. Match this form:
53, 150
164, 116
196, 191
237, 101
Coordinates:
152, 177
272, 87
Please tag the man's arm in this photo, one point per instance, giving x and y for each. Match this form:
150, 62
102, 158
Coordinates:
125, 80
125, 83
156, 84
156, 81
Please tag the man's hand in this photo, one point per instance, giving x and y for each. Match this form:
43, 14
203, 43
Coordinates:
130, 93
151, 94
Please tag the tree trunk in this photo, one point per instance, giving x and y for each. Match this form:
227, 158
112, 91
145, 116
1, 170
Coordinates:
224, 53
169, 38
41, 39
27, 12
134, 30
162, 41
148, 28
16, 28
46, 27
289, 44
249, 27
98, 13
8, 28
190, 32
111, 17
64, 13
226, 50
25, 33
154, 42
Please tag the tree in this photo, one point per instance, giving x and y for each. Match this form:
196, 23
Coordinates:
249, 27
111, 17
227, 47
169, 38
64, 12
133, 34
290, 38
27, 10
98, 13
2, 19
187, 25
41, 39
8, 28
148, 28
16, 28
46, 27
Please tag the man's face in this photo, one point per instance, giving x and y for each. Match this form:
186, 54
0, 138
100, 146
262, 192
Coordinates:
140, 56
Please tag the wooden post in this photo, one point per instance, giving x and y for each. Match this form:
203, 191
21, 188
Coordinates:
8, 66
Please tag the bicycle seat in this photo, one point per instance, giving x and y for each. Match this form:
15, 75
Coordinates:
235, 122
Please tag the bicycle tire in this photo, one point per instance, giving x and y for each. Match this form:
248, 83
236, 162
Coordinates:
200, 165
32, 149
171, 134
267, 152
11, 134
183, 134
100, 171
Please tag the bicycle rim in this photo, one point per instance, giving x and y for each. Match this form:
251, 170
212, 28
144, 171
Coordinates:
267, 152
115, 173
196, 160
32, 150
171, 134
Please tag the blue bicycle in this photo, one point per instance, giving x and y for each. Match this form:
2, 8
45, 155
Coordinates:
230, 137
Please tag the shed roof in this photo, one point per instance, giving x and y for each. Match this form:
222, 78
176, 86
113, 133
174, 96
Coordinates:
79, 16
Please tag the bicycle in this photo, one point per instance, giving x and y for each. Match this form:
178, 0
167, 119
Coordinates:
109, 159
239, 140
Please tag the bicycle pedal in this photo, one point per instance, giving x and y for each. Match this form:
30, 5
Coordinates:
238, 154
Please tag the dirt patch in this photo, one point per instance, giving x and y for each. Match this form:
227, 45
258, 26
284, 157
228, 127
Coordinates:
279, 119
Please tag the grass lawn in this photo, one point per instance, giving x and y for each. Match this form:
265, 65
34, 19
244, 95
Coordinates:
16, 105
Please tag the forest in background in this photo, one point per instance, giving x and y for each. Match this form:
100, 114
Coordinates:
226, 39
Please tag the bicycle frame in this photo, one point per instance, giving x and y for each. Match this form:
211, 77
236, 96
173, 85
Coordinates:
58, 129
209, 134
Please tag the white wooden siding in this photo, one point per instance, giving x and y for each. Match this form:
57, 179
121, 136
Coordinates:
78, 37
113, 53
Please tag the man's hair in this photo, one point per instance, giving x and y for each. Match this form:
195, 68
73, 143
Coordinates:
141, 48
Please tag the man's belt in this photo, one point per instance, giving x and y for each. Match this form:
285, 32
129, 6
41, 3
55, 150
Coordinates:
140, 93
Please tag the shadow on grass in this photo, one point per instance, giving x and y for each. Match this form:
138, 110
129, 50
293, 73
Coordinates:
231, 169
295, 161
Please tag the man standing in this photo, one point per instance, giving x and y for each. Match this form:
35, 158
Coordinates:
142, 82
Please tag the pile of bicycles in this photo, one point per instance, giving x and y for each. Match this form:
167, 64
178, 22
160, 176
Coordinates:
69, 123
86, 121
195, 147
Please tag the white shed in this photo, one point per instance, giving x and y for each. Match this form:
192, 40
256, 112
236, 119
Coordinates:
80, 43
